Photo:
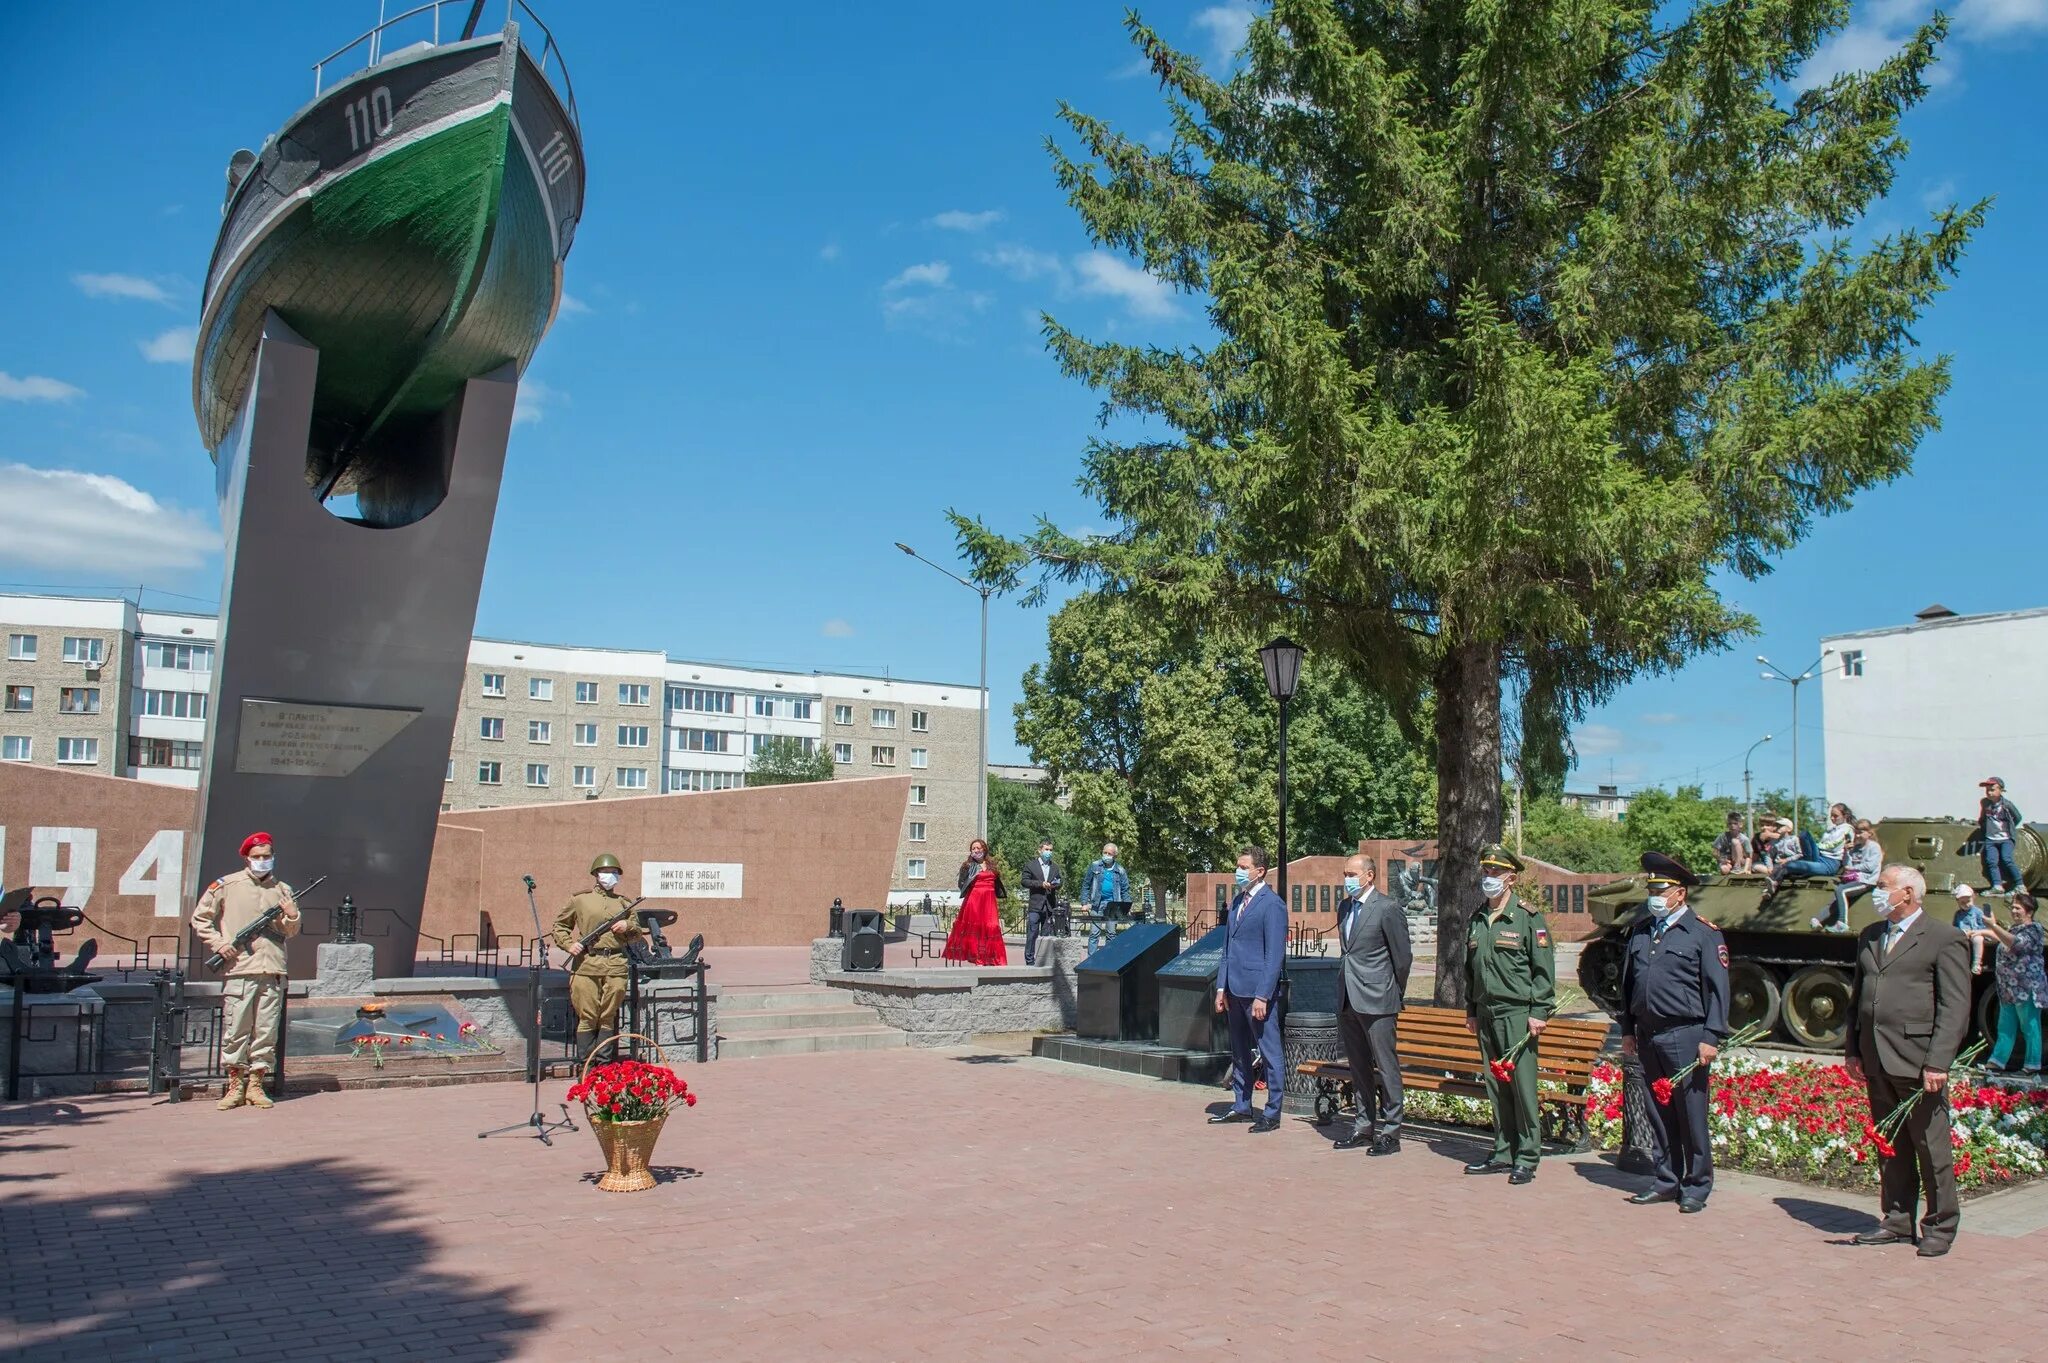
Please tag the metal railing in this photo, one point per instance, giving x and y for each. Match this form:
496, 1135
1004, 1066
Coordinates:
422, 24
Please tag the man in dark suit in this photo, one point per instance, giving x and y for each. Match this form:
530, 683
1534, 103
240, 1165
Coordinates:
1372, 932
1041, 886
1908, 1011
1248, 987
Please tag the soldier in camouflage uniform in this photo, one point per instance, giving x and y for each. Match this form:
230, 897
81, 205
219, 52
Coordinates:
597, 977
1510, 993
252, 998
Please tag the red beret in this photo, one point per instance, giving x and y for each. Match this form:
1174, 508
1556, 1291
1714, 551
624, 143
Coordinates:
255, 840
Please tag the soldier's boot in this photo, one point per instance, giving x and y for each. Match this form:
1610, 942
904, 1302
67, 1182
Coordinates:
254, 1094
236, 1094
586, 1042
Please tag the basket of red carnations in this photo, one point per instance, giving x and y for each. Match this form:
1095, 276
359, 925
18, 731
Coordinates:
626, 1102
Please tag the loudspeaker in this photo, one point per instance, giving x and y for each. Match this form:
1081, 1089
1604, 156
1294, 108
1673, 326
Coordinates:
862, 947
557, 1021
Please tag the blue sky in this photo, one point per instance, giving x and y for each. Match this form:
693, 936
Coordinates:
804, 322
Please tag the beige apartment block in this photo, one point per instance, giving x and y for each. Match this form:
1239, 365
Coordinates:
539, 723
64, 682
930, 733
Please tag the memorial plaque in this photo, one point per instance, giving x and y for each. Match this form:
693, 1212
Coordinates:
690, 879
290, 738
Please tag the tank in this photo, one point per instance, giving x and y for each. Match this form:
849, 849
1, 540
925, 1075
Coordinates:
1782, 970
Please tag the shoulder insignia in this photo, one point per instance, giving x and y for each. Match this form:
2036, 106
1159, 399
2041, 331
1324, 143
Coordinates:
1723, 949
215, 886
1715, 926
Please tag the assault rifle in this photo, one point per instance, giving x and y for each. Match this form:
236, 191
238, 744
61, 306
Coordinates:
260, 925
589, 939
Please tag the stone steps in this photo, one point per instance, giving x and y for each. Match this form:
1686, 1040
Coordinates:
806, 1042
762, 1020
838, 1017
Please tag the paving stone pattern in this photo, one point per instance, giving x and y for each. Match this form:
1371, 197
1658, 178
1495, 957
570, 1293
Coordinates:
915, 1204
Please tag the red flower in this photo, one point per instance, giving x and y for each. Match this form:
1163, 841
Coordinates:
1662, 1088
690, 1098
1876, 1138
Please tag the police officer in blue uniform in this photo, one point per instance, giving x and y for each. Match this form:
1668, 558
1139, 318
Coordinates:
1674, 990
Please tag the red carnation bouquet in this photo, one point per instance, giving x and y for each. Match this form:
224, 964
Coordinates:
1662, 1089
631, 1091
1881, 1134
1503, 1069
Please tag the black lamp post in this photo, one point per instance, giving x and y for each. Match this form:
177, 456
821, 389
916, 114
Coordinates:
1282, 661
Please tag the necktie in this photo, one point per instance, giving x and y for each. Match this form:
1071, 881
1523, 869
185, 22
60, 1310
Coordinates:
1891, 938
1657, 932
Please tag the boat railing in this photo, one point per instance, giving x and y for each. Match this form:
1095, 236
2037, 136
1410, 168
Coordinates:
424, 24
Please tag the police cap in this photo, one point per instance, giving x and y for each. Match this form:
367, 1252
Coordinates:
1668, 869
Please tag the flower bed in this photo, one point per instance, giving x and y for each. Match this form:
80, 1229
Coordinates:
1804, 1120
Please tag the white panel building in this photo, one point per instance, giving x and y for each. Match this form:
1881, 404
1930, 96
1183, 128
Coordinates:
1915, 716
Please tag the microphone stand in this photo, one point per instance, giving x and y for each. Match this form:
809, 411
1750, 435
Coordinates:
539, 1125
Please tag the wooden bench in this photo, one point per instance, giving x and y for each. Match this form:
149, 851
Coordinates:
1438, 1055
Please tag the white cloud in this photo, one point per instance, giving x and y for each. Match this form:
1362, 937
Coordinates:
837, 629
171, 347
932, 274
1226, 26
531, 403
98, 522
1996, 18
574, 306
36, 388
1143, 295
1024, 264
1881, 28
959, 220
120, 286
1939, 196
1660, 717
829, 251
1597, 740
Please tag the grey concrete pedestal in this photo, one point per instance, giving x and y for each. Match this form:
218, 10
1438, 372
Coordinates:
345, 970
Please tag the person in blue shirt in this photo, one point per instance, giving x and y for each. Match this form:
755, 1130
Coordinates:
1107, 882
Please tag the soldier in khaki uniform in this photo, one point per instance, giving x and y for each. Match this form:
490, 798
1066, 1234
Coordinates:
597, 977
252, 997
1510, 993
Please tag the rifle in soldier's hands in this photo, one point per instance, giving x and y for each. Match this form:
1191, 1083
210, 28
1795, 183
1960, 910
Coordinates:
589, 939
259, 926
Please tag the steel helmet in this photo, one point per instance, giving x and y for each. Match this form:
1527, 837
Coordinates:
605, 862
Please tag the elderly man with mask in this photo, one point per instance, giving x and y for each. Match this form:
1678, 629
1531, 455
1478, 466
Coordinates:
1674, 991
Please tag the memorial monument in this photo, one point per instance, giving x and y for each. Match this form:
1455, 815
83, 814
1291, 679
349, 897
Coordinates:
387, 264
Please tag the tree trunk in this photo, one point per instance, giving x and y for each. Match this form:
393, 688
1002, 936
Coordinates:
1467, 799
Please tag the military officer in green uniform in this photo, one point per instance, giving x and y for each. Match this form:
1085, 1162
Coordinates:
1510, 993
597, 976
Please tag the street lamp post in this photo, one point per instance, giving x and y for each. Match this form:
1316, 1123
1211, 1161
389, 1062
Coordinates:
1749, 809
981, 772
1282, 661
1776, 673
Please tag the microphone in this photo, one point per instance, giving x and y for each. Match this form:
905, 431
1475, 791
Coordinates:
528, 880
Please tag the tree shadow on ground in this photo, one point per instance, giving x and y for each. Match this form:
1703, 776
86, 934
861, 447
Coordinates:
252, 1263
986, 1059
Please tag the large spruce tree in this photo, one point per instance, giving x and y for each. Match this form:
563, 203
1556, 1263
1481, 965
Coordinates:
1530, 318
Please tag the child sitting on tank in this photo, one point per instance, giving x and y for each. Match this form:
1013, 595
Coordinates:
1973, 923
1824, 858
1859, 872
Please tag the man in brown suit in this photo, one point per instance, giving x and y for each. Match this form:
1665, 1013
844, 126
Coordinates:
1908, 1012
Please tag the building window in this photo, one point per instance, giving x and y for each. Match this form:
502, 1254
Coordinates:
451, 770
491, 727
680, 781
920, 757
179, 657
917, 795
1852, 662
916, 832
800, 709
583, 778
487, 773
764, 706
540, 731
540, 688
632, 778
176, 754
842, 714
586, 735
494, 683
762, 742
174, 704
702, 701
21, 698
79, 700
21, 648
842, 753
632, 735
536, 774
78, 649
634, 693
913, 869
586, 693
881, 755
702, 740
15, 748
920, 721
882, 717
79, 751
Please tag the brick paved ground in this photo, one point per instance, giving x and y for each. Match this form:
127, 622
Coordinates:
914, 1205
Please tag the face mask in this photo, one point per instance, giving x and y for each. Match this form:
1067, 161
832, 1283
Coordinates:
1881, 900
261, 865
1244, 877
1045, 854
607, 878
1659, 904
1351, 885
974, 856
1491, 886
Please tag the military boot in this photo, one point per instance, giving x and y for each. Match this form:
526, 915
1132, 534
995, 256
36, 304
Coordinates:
586, 1042
236, 1093
255, 1095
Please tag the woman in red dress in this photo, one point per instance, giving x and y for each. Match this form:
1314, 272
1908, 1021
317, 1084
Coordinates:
977, 935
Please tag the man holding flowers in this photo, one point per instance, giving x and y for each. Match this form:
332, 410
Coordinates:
1908, 1011
1674, 990
1510, 993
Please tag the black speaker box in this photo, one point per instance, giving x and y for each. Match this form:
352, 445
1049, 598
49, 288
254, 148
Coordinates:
862, 947
557, 1020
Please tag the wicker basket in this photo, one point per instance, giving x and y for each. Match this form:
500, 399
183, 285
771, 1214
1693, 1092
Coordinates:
628, 1146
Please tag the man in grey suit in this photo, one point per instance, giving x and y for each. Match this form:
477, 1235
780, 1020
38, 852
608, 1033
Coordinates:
1372, 932
1908, 1011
